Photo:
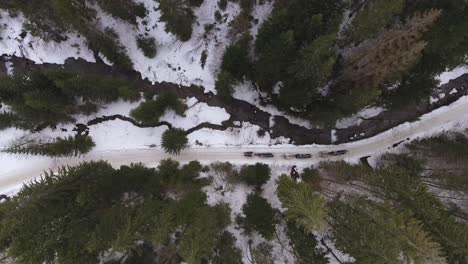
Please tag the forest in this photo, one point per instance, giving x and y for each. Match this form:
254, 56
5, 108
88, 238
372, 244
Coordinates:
319, 66
319, 61
411, 211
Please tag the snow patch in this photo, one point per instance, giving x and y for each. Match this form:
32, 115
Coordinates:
445, 77
9, 68
356, 119
235, 136
454, 91
14, 44
246, 92
196, 114
334, 137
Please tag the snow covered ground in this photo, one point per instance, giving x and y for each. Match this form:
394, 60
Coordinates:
246, 92
176, 61
14, 42
445, 77
357, 118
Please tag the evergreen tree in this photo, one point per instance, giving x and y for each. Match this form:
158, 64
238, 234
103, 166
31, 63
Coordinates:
81, 213
236, 58
304, 208
124, 9
310, 72
263, 254
259, 216
178, 17
389, 236
150, 111
44, 98
225, 85
388, 55
311, 177
405, 188
374, 17
174, 140
226, 251
305, 246
255, 175
107, 42
59, 147
147, 45
199, 239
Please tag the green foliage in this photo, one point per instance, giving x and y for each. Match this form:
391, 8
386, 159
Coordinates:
202, 225
305, 246
452, 150
296, 46
195, 2
59, 147
240, 24
452, 146
107, 43
255, 175
150, 111
406, 189
178, 16
263, 253
218, 16
6, 120
224, 85
226, 251
199, 238
305, 208
174, 140
311, 177
79, 213
342, 171
222, 4
274, 59
375, 16
259, 216
226, 171
447, 48
124, 9
236, 58
50, 19
203, 58
310, 72
52, 97
247, 5
389, 236
181, 180
147, 45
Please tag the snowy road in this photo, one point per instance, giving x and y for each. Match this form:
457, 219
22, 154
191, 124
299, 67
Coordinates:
16, 170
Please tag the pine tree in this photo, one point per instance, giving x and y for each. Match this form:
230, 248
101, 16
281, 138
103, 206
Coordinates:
174, 140
305, 246
404, 187
226, 251
259, 216
375, 16
255, 175
373, 233
389, 54
178, 17
149, 111
59, 147
304, 207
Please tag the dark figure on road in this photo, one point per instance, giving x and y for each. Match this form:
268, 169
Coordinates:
294, 173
